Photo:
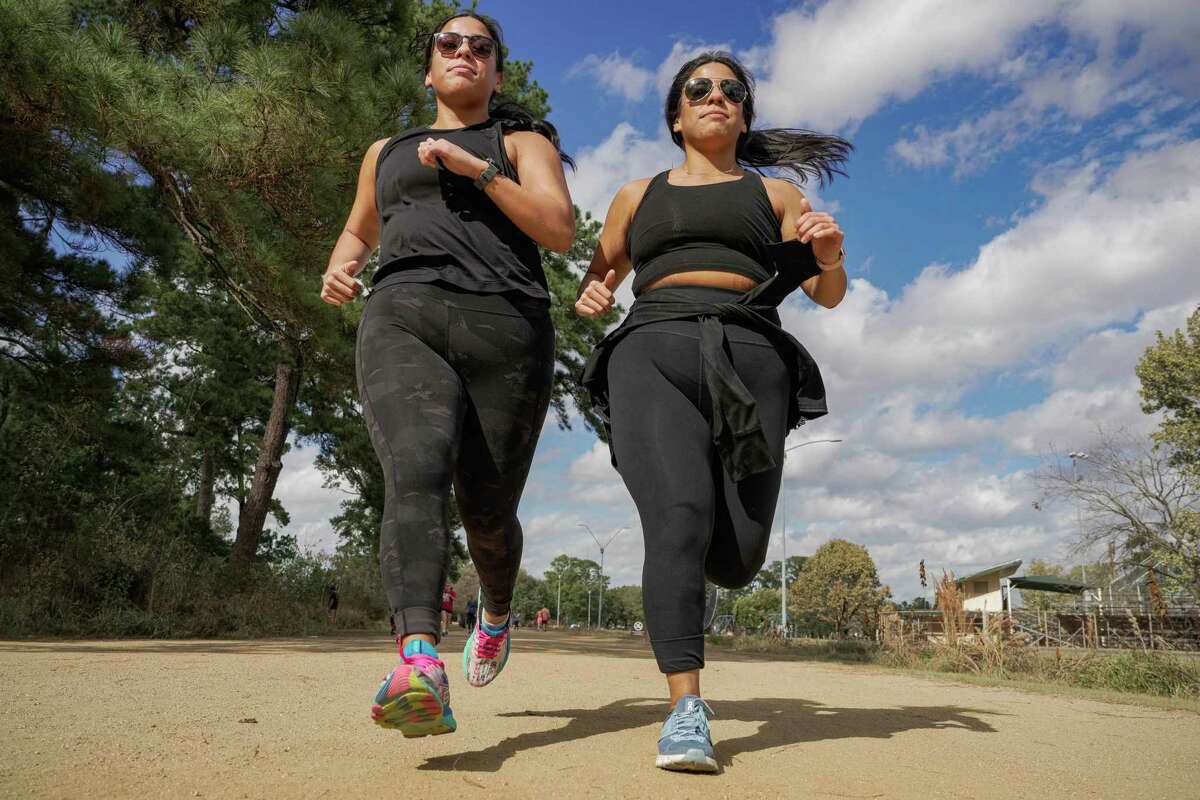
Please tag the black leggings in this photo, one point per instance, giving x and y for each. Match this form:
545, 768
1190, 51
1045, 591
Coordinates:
455, 388
696, 521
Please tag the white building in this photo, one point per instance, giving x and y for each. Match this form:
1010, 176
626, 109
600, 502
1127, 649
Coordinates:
983, 590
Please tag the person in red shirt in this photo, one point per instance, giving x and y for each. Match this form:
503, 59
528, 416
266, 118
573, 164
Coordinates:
448, 595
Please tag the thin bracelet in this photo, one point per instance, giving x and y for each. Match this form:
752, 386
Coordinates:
830, 266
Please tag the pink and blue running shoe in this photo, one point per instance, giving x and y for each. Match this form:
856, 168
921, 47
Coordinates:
415, 697
486, 652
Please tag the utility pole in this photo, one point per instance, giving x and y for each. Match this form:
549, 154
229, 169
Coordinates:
783, 573
1075, 457
558, 603
603, 547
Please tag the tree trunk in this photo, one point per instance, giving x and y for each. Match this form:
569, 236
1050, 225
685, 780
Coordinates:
204, 496
267, 466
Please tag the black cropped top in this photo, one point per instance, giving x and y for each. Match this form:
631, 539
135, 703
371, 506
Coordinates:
716, 226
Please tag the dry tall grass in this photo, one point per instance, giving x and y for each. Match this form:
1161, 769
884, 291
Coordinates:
950, 603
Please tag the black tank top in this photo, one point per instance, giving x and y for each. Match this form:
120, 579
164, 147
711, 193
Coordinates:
716, 226
436, 226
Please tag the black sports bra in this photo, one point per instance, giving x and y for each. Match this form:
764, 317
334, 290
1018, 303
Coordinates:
722, 226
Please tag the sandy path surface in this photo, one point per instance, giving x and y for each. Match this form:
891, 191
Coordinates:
573, 716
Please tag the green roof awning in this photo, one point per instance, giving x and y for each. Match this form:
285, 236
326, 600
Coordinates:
1006, 566
1047, 583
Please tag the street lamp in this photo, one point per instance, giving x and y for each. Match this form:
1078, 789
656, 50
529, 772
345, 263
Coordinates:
783, 563
558, 603
1077, 456
603, 547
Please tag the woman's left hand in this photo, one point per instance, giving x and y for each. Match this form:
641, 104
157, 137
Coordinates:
453, 157
822, 230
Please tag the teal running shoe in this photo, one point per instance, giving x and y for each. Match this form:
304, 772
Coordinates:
686, 744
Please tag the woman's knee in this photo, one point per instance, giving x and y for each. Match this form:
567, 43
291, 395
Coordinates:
729, 576
732, 572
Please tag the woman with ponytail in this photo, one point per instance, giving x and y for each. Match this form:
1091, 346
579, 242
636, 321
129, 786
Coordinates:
699, 385
455, 350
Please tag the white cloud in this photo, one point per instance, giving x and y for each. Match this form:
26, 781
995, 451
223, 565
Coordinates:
1107, 357
618, 75
681, 53
825, 67
957, 515
593, 478
615, 74
624, 156
1091, 77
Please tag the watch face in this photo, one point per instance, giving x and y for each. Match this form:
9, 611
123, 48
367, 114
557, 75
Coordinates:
488, 173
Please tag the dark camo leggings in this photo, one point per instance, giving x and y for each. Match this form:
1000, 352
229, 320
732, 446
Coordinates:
455, 387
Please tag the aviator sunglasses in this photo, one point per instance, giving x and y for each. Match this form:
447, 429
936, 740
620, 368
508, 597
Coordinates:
697, 89
448, 42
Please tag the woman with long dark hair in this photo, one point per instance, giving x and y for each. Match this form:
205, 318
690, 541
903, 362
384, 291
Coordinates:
455, 349
699, 385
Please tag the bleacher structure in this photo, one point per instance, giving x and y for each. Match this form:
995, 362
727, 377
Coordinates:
1127, 613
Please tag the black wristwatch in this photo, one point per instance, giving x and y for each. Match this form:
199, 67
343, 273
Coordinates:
486, 176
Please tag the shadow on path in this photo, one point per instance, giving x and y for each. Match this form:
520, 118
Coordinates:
524, 641
783, 722
589, 643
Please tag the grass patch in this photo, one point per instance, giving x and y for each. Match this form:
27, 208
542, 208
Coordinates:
1132, 672
848, 650
1006, 662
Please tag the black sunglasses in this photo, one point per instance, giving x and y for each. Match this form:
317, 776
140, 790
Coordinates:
448, 42
697, 89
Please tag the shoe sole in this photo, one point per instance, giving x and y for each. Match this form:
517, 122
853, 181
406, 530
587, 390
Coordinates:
467, 655
691, 761
415, 712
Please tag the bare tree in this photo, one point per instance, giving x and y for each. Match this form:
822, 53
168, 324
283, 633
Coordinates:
1131, 498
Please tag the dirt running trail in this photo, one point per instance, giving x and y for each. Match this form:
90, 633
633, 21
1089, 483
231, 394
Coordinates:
572, 716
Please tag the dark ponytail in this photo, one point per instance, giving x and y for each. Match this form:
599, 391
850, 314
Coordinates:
512, 115
804, 154
515, 117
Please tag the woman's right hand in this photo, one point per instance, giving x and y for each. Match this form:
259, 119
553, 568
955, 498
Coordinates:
597, 299
339, 284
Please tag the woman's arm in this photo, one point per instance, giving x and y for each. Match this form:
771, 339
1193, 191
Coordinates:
359, 237
539, 205
610, 263
797, 220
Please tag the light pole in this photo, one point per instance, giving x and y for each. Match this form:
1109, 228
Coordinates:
558, 603
1077, 456
783, 563
603, 547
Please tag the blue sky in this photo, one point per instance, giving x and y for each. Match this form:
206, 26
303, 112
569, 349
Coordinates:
1020, 214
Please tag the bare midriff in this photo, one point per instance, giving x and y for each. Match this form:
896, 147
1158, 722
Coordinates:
705, 277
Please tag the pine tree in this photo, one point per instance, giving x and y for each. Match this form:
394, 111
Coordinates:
245, 123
